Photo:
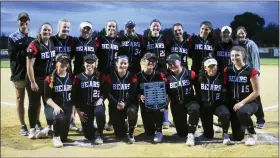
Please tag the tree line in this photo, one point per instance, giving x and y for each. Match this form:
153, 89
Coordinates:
264, 36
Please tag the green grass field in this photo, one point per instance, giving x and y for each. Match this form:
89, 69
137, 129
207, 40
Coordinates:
264, 61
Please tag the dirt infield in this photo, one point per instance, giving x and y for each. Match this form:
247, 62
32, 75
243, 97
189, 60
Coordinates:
14, 145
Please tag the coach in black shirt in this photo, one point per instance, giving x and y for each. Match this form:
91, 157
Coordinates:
17, 44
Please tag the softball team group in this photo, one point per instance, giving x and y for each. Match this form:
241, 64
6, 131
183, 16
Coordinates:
223, 80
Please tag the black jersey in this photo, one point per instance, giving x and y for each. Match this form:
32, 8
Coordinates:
180, 48
87, 89
107, 52
222, 54
17, 45
211, 88
238, 82
158, 46
45, 56
198, 50
120, 88
83, 47
180, 87
132, 47
61, 91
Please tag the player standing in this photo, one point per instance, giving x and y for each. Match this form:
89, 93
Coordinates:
108, 47
156, 43
39, 64
179, 44
222, 48
64, 43
131, 46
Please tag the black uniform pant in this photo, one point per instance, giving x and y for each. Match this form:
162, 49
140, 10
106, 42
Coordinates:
152, 120
97, 112
241, 119
61, 122
35, 100
179, 112
260, 114
130, 112
109, 108
206, 114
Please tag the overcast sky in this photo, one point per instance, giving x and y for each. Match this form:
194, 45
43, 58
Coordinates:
190, 14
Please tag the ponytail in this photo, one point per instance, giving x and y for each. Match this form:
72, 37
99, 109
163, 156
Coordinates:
143, 64
52, 78
38, 37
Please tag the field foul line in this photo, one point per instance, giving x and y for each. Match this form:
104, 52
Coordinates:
268, 138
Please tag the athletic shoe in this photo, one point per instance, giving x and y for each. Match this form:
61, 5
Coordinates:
32, 133
44, 133
217, 129
24, 130
226, 140
73, 127
260, 125
251, 140
57, 142
38, 126
98, 140
190, 140
158, 137
131, 139
165, 125
109, 127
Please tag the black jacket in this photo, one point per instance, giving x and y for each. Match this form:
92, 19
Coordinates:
17, 45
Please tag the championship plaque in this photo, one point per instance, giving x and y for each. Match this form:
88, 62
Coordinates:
155, 95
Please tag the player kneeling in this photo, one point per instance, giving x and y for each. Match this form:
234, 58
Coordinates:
212, 97
152, 118
121, 92
87, 96
58, 87
242, 83
180, 92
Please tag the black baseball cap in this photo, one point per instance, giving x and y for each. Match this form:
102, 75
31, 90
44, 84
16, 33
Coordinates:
173, 57
62, 56
23, 15
92, 57
149, 55
130, 23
